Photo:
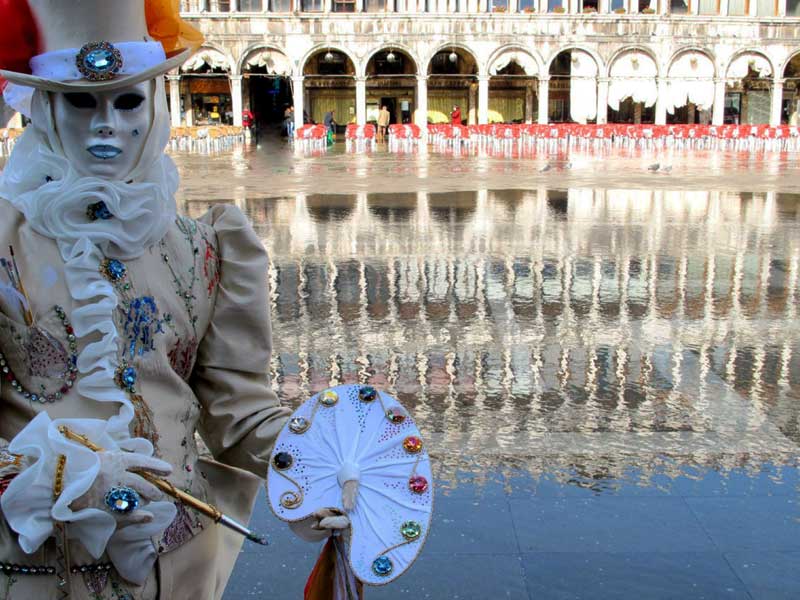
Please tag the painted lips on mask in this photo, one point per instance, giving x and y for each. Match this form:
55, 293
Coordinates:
104, 151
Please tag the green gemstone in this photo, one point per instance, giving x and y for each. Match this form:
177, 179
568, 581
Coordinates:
411, 530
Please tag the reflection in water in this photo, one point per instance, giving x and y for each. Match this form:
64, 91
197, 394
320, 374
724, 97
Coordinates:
620, 326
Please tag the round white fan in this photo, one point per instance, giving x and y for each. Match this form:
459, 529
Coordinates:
354, 432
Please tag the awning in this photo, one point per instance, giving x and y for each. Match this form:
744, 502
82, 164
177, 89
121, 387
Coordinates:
212, 58
742, 64
633, 75
524, 60
276, 63
690, 79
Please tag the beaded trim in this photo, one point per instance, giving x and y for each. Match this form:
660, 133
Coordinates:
58, 480
15, 569
70, 375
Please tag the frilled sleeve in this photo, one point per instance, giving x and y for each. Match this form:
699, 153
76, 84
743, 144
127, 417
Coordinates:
241, 415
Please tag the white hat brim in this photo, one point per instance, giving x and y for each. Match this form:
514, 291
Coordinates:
84, 85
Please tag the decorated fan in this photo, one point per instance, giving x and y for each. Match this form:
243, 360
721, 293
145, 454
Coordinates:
356, 433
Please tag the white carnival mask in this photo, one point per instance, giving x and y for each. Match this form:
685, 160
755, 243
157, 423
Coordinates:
103, 134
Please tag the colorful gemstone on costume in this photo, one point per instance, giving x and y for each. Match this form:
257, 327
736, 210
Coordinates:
412, 444
141, 325
410, 530
282, 461
98, 61
98, 212
367, 393
396, 415
382, 566
126, 378
114, 270
299, 425
418, 484
329, 398
122, 500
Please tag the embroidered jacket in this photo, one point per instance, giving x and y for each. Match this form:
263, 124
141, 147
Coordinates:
193, 317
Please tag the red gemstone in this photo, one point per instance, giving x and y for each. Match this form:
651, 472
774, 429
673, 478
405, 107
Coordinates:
418, 484
9, 376
70, 331
412, 444
64, 389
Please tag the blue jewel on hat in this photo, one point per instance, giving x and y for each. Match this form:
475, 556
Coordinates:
382, 566
98, 211
99, 61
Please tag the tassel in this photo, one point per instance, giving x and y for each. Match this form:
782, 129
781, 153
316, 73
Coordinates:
332, 578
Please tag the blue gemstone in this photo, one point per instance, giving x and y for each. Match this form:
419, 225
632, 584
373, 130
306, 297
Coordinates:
382, 566
100, 60
367, 393
99, 211
115, 269
122, 500
129, 377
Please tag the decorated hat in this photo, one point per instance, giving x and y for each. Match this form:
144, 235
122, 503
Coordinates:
97, 45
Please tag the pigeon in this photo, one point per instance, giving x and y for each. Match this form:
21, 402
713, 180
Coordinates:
654, 167
545, 168
666, 169
569, 165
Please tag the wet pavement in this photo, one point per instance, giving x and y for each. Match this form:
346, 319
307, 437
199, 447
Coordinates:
603, 360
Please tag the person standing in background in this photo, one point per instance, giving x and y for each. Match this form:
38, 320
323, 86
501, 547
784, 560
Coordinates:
384, 116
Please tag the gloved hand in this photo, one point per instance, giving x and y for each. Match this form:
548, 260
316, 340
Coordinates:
116, 471
320, 525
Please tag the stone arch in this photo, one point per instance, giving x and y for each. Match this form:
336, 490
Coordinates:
633, 48
698, 49
787, 62
750, 51
255, 49
502, 50
598, 61
386, 46
301, 66
455, 46
220, 56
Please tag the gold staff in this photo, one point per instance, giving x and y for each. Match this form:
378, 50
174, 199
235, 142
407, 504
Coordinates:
171, 490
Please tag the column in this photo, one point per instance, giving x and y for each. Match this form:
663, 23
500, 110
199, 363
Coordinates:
483, 100
661, 102
359, 6
234, 6
236, 99
544, 100
297, 97
472, 112
421, 115
529, 103
483, 6
513, 7
781, 8
361, 100
777, 102
723, 7
175, 99
212, 5
602, 100
187, 102
718, 114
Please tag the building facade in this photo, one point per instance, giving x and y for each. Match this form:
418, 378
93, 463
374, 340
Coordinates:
525, 61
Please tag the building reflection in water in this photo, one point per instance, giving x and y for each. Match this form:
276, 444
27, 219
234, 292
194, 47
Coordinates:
617, 326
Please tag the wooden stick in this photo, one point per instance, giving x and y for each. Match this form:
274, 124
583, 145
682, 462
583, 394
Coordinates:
170, 490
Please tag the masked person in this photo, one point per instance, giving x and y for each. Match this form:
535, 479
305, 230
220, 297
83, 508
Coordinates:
120, 321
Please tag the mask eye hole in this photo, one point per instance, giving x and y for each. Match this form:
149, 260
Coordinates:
81, 100
128, 102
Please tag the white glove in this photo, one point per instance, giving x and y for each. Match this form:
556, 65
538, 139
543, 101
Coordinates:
116, 471
320, 525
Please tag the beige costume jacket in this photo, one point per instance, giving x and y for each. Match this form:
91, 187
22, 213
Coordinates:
193, 317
